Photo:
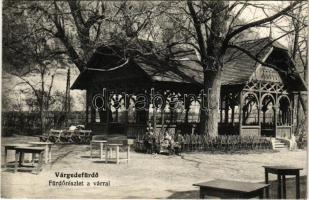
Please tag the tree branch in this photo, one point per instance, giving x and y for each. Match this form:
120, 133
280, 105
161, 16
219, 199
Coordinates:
198, 30
258, 22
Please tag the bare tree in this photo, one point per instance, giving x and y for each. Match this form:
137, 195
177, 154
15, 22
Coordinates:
211, 27
80, 27
31, 59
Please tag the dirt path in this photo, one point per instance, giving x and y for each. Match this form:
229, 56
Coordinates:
147, 176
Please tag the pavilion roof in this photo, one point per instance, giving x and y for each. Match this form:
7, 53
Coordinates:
182, 67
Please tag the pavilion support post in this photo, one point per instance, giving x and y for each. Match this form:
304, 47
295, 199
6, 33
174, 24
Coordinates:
295, 118
221, 106
276, 108
92, 110
187, 108
276, 111
154, 119
290, 121
116, 115
232, 115
240, 112
126, 105
116, 109
162, 116
259, 109
264, 115
154, 112
187, 115
87, 107
107, 111
226, 111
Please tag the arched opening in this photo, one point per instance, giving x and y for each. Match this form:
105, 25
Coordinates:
250, 110
194, 112
284, 111
131, 111
268, 127
229, 113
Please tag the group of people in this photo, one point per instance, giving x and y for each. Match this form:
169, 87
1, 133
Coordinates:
170, 142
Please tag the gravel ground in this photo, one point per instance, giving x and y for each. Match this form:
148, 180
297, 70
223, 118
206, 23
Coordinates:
146, 176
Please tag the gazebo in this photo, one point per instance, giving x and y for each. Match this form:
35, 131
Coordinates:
256, 100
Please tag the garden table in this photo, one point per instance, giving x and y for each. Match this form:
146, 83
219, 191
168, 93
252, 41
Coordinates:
109, 152
116, 146
231, 189
11, 147
48, 147
101, 142
281, 172
19, 154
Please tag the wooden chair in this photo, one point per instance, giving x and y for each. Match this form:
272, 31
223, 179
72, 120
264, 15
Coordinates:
83, 136
86, 136
67, 136
44, 137
55, 135
187, 142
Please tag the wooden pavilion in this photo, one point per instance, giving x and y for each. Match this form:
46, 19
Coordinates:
255, 99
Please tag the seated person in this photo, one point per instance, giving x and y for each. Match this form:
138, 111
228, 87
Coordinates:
179, 143
80, 127
149, 140
72, 127
168, 138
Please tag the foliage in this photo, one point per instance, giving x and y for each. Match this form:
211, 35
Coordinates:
301, 134
28, 123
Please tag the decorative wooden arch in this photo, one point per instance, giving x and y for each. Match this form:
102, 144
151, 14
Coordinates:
256, 100
247, 93
265, 95
283, 96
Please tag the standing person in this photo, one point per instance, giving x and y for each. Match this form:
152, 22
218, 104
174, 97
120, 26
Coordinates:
168, 137
148, 140
205, 143
187, 142
199, 140
192, 141
293, 143
179, 143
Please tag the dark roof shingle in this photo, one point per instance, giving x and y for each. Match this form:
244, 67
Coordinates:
184, 68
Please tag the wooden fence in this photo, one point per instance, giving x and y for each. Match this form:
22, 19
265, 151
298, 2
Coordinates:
29, 123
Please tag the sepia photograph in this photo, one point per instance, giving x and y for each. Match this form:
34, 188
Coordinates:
184, 99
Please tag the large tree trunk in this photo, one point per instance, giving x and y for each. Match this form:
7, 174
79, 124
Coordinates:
210, 109
213, 63
42, 104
